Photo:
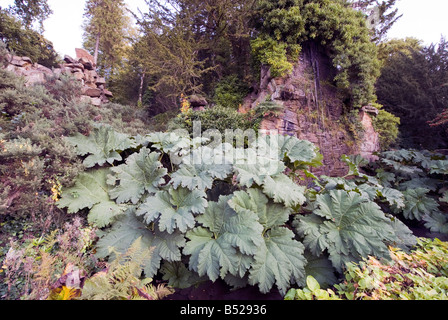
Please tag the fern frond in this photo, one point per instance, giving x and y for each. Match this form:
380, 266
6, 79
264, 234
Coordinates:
122, 280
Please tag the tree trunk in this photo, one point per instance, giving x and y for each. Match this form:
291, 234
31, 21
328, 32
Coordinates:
140, 89
97, 45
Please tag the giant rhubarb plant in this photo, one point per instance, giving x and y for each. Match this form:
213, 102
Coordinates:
227, 215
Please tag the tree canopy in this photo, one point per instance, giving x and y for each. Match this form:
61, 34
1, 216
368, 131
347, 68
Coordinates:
190, 46
413, 86
26, 42
106, 32
31, 11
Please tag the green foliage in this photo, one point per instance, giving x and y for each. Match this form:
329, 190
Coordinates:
219, 118
90, 191
103, 145
226, 212
122, 279
418, 204
32, 266
31, 11
249, 232
387, 125
173, 209
311, 292
380, 15
196, 48
286, 26
273, 261
230, 92
269, 52
26, 42
348, 225
225, 242
141, 173
106, 30
419, 275
36, 158
420, 177
413, 79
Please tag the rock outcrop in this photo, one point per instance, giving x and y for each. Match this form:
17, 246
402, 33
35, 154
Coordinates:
82, 68
313, 111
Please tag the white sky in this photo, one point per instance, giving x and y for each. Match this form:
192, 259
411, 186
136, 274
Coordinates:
423, 19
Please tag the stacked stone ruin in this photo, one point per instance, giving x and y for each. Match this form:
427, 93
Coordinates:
82, 68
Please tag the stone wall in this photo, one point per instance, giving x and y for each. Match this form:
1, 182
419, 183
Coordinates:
313, 112
81, 68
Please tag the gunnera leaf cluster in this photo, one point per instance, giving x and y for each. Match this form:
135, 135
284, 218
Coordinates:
238, 214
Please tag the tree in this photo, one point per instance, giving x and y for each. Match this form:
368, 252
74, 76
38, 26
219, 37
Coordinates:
387, 50
31, 11
106, 29
442, 68
26, 42
188, 46
413, 86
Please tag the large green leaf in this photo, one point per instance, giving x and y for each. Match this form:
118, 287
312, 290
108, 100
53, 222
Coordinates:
408, 171
256, 169
255, 201
418, 204
213, 257
402, 155
91, 191
141, 173
282, 189
169, 142
200, 173
392, 196
218, 247
174, 209
102, 145
439, 166
321, 269
444, 197
420, 182
436, 222
299, 152
178, 276
348, 225
354, 163
127, 229
279, 260
308, 227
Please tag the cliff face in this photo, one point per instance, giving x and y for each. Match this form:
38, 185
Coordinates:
313, 111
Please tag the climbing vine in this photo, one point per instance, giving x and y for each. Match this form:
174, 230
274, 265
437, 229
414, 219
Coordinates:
287, 26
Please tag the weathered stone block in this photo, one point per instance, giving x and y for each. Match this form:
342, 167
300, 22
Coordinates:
91, 92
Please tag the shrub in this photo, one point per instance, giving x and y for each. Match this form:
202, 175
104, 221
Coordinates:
32, 266
220, 118
26, 42
230, 92
419, 275
387, 125
274, 54
35, 158
420, 176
